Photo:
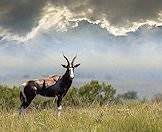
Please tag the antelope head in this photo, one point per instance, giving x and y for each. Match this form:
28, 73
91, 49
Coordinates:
70, 66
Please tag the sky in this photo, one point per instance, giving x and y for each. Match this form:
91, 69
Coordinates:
117, 41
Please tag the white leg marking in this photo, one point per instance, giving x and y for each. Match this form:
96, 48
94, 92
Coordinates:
22, 86
56, 98
22, 111
59, 108
59, 113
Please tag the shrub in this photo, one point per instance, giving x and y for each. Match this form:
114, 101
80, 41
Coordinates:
130, 95
9, 98
90, 93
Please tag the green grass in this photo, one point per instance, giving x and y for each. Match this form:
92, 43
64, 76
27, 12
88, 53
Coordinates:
132, 117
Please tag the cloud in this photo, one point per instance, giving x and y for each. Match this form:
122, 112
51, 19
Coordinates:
22, 20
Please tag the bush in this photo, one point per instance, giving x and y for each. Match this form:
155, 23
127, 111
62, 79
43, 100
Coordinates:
130, 95
9, 98
91, 93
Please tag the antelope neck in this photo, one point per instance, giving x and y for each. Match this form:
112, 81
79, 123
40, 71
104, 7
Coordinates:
66, 81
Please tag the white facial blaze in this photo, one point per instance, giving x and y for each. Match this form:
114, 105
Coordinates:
71, 73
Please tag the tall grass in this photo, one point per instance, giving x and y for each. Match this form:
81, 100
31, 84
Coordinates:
131, 117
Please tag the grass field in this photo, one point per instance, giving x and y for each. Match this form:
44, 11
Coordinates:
132, 117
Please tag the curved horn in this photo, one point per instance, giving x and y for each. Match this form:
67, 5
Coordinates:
73, 60
66, 59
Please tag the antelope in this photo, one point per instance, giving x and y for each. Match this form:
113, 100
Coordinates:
53, 86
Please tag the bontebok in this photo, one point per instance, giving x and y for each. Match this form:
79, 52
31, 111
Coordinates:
53, 86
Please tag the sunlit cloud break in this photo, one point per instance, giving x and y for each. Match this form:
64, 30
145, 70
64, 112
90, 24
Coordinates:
116, 17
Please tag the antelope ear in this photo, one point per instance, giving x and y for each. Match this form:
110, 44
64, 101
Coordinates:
64, 66
76, 65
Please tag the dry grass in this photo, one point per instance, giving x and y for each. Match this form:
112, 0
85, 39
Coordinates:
133, 117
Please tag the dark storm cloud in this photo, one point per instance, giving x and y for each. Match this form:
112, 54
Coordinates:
20, 16
120, 11
117, 16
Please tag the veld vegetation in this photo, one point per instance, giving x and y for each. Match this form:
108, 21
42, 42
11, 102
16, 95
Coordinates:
89, 94
91, 107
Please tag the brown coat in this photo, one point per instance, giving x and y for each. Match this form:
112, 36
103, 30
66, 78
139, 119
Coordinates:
50, 80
